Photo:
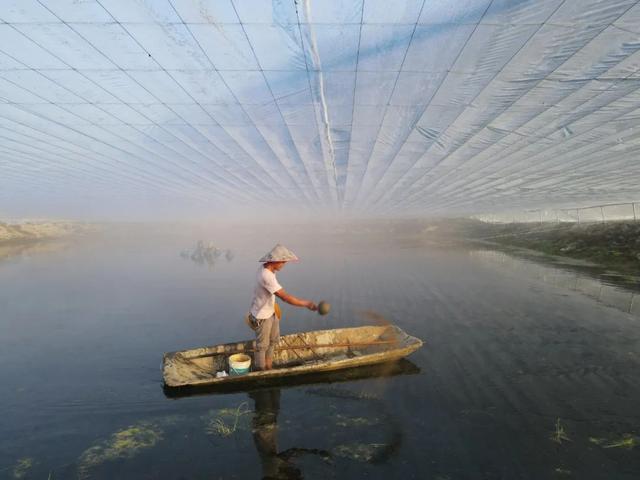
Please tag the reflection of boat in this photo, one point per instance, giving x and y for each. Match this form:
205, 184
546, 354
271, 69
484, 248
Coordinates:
380, 370
297, 354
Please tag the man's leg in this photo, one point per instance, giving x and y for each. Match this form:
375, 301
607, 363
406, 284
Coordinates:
274, 335
263, 337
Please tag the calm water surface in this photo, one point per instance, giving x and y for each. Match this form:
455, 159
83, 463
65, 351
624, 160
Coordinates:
523, 375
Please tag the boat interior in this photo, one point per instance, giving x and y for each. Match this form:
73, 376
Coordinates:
297, 349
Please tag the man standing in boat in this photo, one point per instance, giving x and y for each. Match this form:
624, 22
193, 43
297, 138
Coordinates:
264, 316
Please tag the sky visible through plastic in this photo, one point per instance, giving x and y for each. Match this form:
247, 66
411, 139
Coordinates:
124, 108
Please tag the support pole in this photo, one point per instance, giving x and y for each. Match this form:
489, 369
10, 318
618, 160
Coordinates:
602, 213
633, 205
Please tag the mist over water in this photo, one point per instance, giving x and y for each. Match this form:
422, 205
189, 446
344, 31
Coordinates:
509, 358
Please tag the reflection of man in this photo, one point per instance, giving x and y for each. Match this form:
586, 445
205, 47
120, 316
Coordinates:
262, 316
265, 436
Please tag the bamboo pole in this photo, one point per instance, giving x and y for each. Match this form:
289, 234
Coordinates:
288, 347
308, 346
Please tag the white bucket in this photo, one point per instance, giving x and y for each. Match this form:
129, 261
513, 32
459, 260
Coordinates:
239, 364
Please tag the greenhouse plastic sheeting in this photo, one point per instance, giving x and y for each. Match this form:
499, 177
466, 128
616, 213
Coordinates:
370, 106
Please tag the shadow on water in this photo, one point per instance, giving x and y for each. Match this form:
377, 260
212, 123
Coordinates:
289, 463
292, 463
391, 369
264, 424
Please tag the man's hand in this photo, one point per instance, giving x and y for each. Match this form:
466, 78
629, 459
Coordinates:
298, 302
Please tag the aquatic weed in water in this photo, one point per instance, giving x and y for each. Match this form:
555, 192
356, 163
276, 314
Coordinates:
627, 441
346, 421
559, 435
219, 427
341, 393
22, 467
125, 443
363, 452
562, 471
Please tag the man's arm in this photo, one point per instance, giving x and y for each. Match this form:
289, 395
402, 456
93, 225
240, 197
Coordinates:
292, 300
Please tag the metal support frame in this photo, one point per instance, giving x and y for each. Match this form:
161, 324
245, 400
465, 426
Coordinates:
492, 217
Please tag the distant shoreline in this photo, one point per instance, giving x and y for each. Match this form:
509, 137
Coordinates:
32, 232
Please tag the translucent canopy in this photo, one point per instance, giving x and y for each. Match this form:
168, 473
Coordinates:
372, 106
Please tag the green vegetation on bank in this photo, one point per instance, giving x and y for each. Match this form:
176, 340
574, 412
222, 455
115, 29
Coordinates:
615, 245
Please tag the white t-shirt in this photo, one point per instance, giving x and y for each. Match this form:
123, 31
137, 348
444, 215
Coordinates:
262, 304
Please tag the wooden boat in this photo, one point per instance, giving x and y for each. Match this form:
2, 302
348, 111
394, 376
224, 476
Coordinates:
296, 354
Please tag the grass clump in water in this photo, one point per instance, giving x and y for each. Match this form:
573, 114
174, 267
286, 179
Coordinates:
22, 467
562, 471
345, 421
627, 441
363, 452
225, 428
123, 444
560, 435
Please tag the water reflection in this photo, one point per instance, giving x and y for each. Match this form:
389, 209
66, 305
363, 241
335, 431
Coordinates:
358, 429
275, 464
615, 291
391, 369
28, 249
344, 426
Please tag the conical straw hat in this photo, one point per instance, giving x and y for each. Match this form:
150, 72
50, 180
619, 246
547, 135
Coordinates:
279, 253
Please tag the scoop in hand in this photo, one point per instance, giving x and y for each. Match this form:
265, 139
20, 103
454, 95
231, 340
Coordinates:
323, 308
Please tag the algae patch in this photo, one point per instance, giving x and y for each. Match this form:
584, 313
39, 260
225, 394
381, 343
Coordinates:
345, 421
362, 452
22, 467
562, 471
342, 393
123, 444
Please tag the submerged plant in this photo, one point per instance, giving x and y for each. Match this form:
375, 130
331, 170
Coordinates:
342, 393
218, 426
562, 471
559, 435
363, 452
22, 467
627, 441
125, 443
345, 421
597, 441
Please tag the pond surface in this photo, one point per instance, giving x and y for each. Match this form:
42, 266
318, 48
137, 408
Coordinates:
527, 371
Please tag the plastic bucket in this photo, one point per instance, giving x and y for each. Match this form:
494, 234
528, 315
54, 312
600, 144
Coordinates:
239, 364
